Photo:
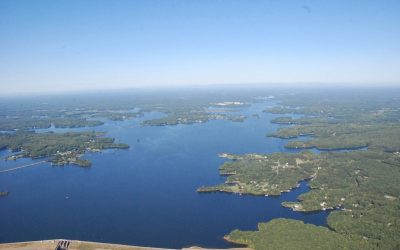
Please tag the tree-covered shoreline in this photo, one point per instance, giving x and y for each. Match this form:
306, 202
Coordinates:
58, 148
359, 186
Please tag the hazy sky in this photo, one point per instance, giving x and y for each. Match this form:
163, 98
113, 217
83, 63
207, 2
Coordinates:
69, 45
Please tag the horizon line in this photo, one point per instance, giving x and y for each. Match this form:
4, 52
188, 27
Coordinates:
296, 85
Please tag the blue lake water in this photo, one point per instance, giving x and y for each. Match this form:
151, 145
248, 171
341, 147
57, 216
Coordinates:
146, 195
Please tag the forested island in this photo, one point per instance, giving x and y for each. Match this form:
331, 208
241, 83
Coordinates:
359, 186
195, 111
179, 107
21, 120
353, 168
59, 148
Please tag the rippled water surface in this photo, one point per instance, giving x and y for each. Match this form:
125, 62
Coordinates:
146, 195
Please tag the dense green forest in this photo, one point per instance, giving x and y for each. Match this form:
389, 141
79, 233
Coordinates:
294, 234
20, 119
60, 148
359, 186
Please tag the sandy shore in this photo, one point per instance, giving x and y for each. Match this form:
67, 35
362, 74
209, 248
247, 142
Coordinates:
82, 245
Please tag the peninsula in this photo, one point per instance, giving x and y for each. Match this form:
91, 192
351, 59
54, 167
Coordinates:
360, 187
59, 148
